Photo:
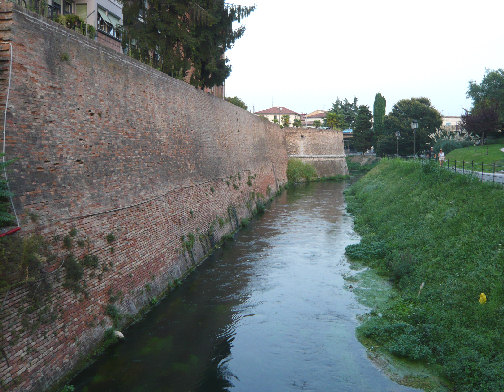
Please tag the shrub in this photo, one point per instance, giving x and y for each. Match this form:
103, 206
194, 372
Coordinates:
448, 145
298, 171
244, 222
260, 206
113, 312
74, 273
110, 238
90, 261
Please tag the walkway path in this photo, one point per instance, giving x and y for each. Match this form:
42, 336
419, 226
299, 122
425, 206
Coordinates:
489, 177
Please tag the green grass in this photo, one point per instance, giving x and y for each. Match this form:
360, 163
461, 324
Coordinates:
487, 154
422, 224
356, 167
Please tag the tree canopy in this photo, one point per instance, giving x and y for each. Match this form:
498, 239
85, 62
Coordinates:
346, 110
362, 131
237, 102
482, 120
490, 92
379, 113
285, 120
400, 118
185, 39
335, 120
486, 117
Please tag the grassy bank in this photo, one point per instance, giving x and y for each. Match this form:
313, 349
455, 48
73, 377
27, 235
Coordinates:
439, 237
487, 154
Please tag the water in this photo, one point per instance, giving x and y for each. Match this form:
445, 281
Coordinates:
268, 312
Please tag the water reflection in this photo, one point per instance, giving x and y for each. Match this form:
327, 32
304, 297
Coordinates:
269, 313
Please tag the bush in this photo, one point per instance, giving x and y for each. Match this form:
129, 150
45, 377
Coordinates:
448, 145
298, 171
74, 273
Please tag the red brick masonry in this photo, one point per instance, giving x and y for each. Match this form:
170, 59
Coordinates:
107, 145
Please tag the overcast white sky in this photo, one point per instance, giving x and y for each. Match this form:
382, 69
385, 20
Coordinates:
305, 54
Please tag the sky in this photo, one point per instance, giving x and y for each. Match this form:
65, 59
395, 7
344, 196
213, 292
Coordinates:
303, 55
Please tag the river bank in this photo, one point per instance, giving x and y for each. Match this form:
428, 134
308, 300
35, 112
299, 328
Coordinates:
438, 237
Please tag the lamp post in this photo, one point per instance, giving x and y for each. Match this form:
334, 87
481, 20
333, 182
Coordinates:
414, 126
397, 135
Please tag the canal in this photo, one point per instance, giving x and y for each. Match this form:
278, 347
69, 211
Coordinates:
270, 311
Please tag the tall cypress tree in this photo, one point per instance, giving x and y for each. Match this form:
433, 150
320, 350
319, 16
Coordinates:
379, 114
362, 133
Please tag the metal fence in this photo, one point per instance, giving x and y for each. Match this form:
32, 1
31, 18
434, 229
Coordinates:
489, 172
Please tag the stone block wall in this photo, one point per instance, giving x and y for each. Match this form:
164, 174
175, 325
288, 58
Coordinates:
322, 148
119, 161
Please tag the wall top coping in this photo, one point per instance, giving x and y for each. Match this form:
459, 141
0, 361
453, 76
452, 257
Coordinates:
318, 156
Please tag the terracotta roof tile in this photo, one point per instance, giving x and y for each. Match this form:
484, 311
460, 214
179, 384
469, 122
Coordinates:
276, 110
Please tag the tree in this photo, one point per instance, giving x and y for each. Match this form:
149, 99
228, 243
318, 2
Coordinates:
379, 114
362, 130
482, 120
183, 38
317, 123
489, 93
296, 122
335, 120
400, 118
348, 111
285, 120
237, 102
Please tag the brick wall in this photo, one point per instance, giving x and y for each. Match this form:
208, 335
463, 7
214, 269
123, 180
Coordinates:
109, 42
322, 148
106, 145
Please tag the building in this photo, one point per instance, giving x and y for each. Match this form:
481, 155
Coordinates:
451, 123
104, 15
275, 114
347, 138
317, 115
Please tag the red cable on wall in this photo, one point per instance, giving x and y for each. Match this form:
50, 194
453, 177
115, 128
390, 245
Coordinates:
11, 231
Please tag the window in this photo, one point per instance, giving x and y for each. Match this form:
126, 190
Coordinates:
67, 8
109, 24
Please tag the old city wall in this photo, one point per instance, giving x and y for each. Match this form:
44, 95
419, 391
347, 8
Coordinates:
118, 161
322, 148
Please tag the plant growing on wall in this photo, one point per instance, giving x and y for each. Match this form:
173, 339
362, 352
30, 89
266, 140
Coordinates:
6, 218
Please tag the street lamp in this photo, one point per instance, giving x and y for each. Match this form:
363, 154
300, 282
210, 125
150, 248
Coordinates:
397, 135
414, 126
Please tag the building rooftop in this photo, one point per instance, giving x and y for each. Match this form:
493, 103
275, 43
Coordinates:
276, 110
317, 114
